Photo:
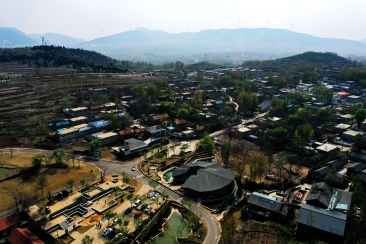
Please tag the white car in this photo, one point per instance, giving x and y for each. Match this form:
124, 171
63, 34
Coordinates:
151, 194
133, 168
148, 208
107, 231
115, 221
155, 196
118, 236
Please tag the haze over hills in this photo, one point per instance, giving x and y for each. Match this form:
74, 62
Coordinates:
221, 46
57, 39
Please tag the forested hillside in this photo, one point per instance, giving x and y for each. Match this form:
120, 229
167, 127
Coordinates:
57, 56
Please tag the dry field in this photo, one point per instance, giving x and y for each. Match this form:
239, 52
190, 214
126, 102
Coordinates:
56, 179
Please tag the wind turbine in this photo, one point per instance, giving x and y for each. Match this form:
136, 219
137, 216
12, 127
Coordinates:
292, 25
267, 21
210, 23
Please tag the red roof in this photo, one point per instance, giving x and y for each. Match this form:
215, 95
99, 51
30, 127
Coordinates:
201, 127
160, 116
23, 236
343, 93
180, 121
8, 222
138, 131
124, 132
95, 107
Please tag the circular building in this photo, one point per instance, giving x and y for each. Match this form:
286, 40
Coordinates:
207, 181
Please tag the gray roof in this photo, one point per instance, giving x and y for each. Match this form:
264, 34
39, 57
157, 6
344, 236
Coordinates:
335, 163
268, 203
322, 219
153, 129
134, 143
322, 171
356, 167
180, 170
212, 177
321, 192
358, 155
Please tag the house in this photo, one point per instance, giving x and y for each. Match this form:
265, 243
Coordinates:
351, 136
324, 196
180, 122
346, 118
8, 224
75, 112
96, 109
156, 135
188, 133
101, 124
327, 148
131, 147
266, 206
24, 236
355, 168
199, 129
78, 120
321, 173
108, 138
337, 164
156, 119
342, 127
354, 99
357, 157
219, 103
311, 217
66, 134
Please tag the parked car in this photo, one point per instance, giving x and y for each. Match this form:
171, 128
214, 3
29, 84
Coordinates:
131, 189
115, 221
133, 168
128, 210
107, 231
118, 236
143, 206
148, 209
155, 196
137, 214
137, 203
151, 194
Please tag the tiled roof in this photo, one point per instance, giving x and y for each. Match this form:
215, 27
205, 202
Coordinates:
180, 121
95, 107
8, 222
201, 127
269, 203
160, 116
125, 132
23, 236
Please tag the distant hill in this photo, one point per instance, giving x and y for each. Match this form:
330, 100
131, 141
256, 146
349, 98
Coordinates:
10, 37
57, 39
151, 44
56, 56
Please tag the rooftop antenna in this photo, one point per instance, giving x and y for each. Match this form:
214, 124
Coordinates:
42, 41
210, 24
292, 26
267, 21
239, 23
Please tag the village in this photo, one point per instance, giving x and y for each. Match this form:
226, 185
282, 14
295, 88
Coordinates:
245, 148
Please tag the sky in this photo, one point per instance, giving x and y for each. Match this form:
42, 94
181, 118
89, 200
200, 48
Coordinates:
89, 19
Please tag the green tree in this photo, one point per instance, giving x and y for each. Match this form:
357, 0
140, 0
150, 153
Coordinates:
70, 183
308, 132
200, 77
87, 240
196, 102
258, 164
37, 160
95, 144
360, 116
110, 215
58, 155
206, 143
183, 113
166, 107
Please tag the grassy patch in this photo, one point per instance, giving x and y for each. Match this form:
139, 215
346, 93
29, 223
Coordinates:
18, 159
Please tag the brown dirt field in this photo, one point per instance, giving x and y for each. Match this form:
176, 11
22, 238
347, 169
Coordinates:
93, 219
133, 183
56, 178
83, 229
18, 159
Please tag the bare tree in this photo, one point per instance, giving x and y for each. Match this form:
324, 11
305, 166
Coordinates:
42, 182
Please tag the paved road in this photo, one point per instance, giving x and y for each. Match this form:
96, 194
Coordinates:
116, 167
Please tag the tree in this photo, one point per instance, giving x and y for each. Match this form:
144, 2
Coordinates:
87, 240
239, 169
360, 116
166, 107
308, 132
183, 113
116, 190
42, 211
153, 183
48, 160
58, 154
206, 143
196, 102
37, 160
70, 183
82, 182
42, 182
187, 203
226, 152
123, 176
95, 144
280, 163
258, 164
109, 215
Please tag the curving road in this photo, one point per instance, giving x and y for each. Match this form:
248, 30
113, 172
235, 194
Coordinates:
116, 167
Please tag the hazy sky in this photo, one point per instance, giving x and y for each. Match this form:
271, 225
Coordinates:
87, 19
